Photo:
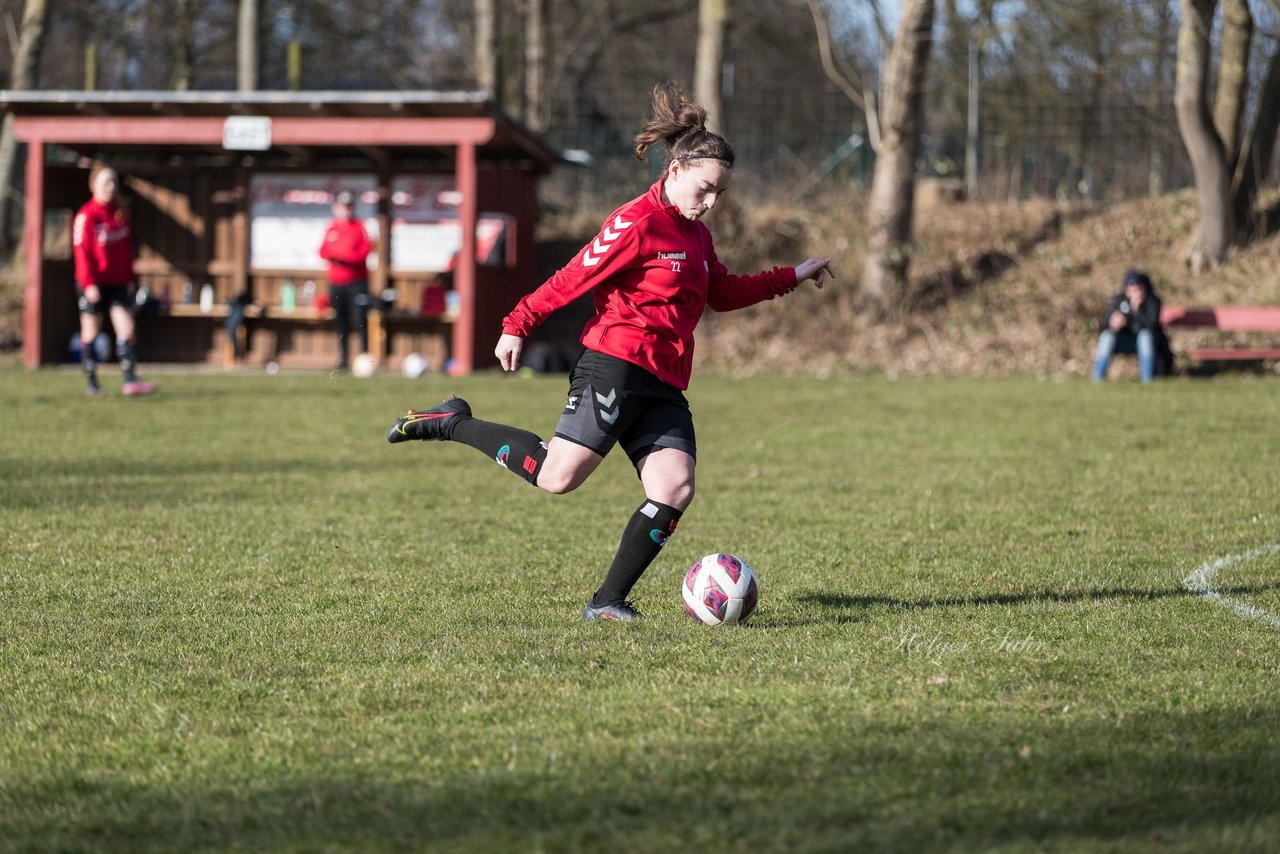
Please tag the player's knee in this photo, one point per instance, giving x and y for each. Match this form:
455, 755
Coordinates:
558, 481
677, 493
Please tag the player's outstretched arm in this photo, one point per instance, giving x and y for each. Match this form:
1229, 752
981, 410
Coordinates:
815, 268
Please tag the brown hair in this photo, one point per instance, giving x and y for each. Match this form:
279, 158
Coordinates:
681, 125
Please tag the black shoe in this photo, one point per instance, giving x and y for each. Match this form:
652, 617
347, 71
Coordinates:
623, 611
430, 424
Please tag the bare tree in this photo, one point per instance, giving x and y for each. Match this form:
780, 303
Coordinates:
1208, 156
861, 95
535, 65
713, 17
247, 46
26, 58
1233, 73
182, 36
1229, 165
1253, 165
890, 208
1155, 96
486, 55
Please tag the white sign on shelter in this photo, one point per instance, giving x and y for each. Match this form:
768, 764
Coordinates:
246, 133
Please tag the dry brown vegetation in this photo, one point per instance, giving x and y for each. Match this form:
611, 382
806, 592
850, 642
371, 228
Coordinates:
998, 289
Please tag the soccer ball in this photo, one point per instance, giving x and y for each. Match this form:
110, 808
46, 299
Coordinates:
414, 366
720, 588
364, 365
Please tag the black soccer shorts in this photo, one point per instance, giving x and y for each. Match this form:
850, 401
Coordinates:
108, 295
612, 401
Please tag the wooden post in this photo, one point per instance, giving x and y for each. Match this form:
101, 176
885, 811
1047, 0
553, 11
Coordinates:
33, 212
973, 130
381, 276
295, 65
91, 68
464, 274
240, 245
377, 336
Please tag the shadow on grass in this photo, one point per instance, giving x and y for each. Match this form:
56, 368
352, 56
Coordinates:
846, 602
1137, 779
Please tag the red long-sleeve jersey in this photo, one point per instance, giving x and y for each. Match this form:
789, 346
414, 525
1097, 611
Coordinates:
102, 243
346, 247
653, 273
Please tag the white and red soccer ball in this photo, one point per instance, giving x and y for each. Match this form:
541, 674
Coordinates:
720, 589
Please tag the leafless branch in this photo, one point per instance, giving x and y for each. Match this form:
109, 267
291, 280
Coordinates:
865, 100
828, 63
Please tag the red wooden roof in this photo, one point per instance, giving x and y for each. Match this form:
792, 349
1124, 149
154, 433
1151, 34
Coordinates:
356, 120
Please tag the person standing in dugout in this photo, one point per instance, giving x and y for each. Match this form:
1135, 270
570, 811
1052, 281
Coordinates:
102, 243
652, 270
346, 247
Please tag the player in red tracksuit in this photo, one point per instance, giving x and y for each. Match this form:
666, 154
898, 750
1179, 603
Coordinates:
102, 242
652, 269
346, 247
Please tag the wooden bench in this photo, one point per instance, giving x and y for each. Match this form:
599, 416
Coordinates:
382, 324
1227, 318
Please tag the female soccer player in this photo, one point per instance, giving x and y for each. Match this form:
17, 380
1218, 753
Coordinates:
346, 248
652, 270
102, 242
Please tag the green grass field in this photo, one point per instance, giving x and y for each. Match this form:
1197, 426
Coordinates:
232, 616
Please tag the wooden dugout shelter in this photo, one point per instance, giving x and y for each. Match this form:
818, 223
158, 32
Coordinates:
193, 166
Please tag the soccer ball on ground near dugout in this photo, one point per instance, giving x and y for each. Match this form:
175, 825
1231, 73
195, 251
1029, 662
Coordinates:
414, 366
365, 365
720, 588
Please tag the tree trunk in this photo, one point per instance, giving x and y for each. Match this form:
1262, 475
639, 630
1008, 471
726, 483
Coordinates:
1233, 75
1216, 226
709, 66
1155, 102
1254, 165
486, 53
26, 60
535, 58
183, 36
890, 209
247, 46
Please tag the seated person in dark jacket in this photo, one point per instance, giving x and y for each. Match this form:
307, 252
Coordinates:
1132, 325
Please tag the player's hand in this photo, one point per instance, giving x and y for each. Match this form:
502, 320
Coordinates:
508, 351
815, 268
92, 294
1116, 321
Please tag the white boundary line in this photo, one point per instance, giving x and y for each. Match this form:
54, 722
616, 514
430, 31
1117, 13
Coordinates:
1200, 583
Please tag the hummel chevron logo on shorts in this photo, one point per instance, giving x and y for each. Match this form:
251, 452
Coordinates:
609, 416
592, 254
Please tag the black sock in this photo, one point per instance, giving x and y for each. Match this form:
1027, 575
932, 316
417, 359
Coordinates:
89, 362
520, 451
128, 360
645, 535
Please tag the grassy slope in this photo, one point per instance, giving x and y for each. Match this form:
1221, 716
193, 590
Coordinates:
233, 616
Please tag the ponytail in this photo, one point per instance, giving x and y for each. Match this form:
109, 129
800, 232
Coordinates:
681, 125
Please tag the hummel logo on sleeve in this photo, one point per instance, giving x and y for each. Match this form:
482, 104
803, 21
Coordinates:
592, 254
